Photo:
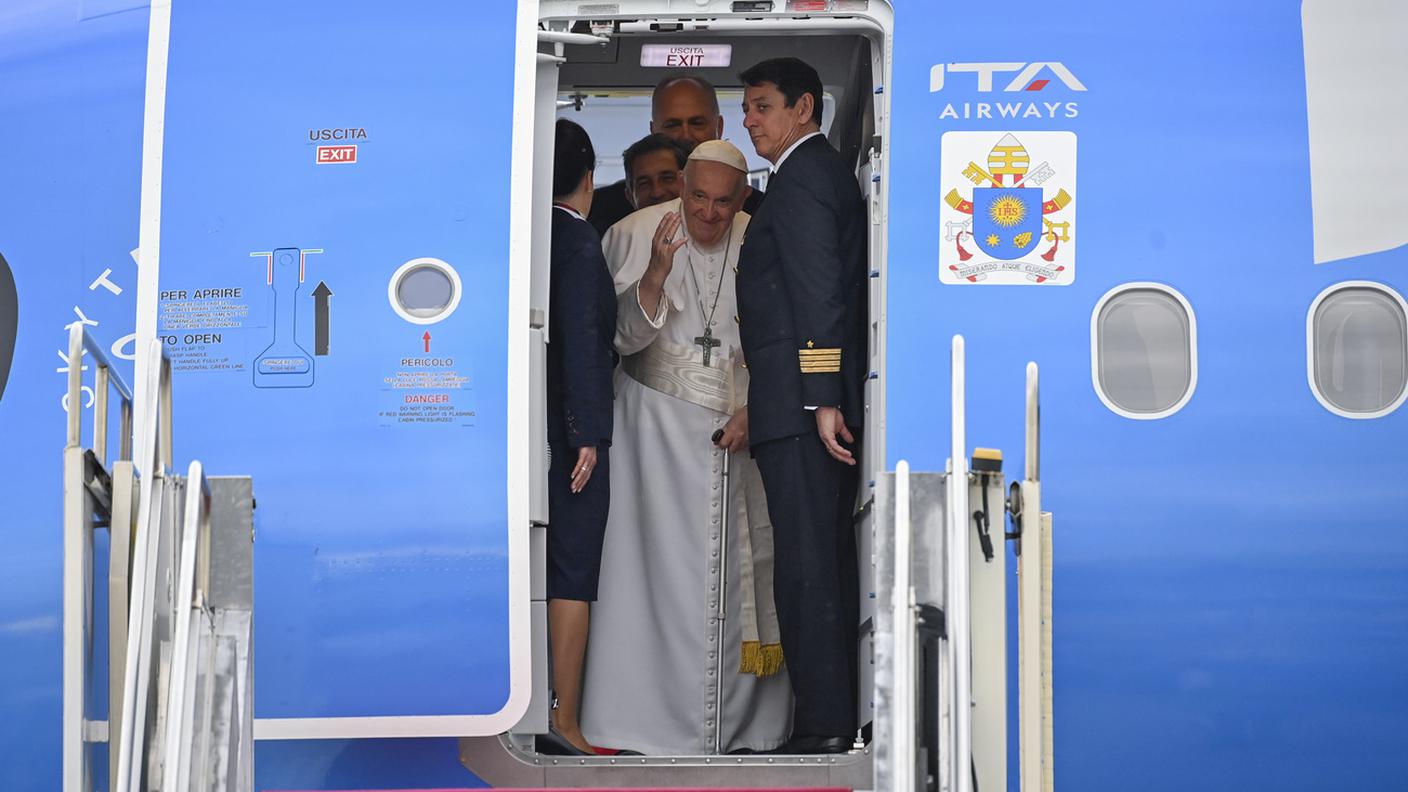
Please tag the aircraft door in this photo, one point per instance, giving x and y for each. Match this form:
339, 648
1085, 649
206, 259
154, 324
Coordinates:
544, 111
343, 292
544, 99
549, 58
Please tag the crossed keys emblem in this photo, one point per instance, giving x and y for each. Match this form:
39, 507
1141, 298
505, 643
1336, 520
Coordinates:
1003, 209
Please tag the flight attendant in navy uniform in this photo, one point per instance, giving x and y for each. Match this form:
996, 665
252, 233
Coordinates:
802, 305
581, 358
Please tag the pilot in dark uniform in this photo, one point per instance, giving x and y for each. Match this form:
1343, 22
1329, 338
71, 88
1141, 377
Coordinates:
582, 324
802, 313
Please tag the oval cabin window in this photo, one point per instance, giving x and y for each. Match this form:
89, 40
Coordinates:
1144, 353
1357, 339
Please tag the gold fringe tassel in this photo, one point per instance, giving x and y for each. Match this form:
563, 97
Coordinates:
760, 659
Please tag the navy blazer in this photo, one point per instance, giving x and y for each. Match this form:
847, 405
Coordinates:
802, 296
581, 331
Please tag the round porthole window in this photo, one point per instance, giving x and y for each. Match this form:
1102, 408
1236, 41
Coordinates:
424, 290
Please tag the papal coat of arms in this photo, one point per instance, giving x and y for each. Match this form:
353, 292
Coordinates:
1005, 220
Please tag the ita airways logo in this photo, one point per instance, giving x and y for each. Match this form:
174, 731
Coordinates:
1008, 210
1029, 76
337, 155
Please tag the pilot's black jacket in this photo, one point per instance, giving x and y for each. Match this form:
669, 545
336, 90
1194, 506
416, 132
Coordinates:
802, 296
609, 205
582, 326
802, 303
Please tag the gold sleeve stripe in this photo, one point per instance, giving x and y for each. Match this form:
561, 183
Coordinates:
820, 361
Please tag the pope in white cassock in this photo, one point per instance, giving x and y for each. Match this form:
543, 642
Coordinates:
661, 676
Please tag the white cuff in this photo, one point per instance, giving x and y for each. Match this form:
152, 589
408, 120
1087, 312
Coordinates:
660, 313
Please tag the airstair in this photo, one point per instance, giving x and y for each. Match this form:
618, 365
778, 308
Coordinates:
168, 705
940, 637
937, 636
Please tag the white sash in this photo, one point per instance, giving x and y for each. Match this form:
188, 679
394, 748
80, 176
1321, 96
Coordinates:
680, 372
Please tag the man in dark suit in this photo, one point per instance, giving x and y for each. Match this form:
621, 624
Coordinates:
684, 108
802, 305
654, 170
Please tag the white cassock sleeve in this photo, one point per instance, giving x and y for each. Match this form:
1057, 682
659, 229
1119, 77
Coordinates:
627, 249
635, 329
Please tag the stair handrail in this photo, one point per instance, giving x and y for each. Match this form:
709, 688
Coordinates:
154, 458
959, 612
904, 751
1035, 715
81, 483
191, 599
80, 342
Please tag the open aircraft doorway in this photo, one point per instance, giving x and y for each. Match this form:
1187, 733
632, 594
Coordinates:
597, 65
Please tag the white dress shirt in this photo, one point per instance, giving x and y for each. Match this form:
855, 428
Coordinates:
569, 210
792, 148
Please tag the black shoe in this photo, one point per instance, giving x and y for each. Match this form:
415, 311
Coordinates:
554, 744
815, 745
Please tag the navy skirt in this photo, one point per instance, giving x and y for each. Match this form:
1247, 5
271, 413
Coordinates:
576, 524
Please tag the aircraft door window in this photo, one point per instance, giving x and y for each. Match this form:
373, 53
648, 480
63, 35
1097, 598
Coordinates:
424, 290
1357, 349
1144, 353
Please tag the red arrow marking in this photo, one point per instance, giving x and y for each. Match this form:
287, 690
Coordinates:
426, 339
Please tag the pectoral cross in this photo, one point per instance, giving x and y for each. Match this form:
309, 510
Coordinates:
707, 342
